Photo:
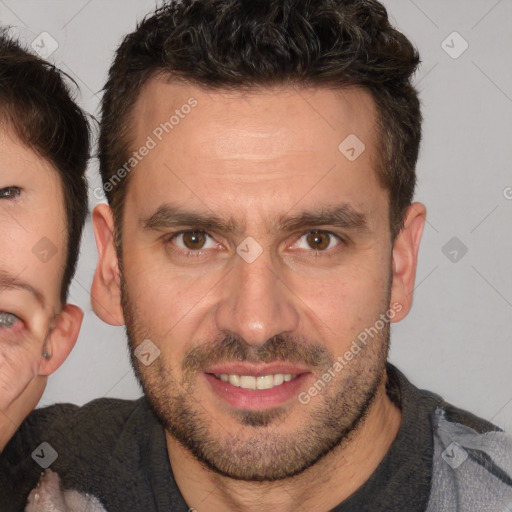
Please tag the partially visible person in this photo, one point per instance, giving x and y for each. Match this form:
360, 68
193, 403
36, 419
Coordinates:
257, 255
44, 150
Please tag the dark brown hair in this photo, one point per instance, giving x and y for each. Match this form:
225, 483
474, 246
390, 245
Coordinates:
37, 104
247, 44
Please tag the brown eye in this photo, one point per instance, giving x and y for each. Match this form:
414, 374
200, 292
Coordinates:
318, 240
194, 239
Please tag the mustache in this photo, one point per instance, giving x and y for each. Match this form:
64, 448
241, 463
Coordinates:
278, 348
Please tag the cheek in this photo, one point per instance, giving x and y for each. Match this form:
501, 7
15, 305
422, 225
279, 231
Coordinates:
14, 249
166, 302
38, 256
347, 300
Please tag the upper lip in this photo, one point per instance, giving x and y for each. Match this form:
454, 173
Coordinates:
256, 370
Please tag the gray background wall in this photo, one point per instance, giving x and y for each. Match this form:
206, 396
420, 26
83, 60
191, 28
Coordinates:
457, 340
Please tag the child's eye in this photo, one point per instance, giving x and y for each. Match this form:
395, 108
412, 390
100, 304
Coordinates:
8, 319
9, 192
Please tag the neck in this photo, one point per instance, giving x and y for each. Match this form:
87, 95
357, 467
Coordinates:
321, 487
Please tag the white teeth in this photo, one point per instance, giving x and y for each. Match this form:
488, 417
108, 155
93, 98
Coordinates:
247, 382
278, 379
265, 382
234, 380
251, 382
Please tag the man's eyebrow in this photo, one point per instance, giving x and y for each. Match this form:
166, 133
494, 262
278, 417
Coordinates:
168, 216
342, 216
10, 282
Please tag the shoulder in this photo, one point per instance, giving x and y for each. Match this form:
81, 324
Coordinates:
69, 421
69, 438
472, 466
108, 412
471, 458
403, 393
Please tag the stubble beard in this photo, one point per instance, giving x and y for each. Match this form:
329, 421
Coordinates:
253, 449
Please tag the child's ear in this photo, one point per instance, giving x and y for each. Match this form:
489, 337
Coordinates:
61, 339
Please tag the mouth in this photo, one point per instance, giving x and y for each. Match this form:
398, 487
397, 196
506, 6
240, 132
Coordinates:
260, 382
251, 387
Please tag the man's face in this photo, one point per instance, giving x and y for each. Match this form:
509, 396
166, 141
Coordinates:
299, 266
32, 251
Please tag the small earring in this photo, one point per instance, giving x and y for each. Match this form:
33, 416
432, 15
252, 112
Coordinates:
46, 355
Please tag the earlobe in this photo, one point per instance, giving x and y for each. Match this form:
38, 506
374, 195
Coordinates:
405, 258
61, 339
106, 287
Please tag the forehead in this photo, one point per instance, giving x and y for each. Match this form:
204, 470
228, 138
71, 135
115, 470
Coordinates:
248, 146
36, 216
22, 166
310, 115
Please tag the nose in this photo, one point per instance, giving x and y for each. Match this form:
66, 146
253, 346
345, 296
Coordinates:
256, 304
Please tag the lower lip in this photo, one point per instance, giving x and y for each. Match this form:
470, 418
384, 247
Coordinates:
256, 399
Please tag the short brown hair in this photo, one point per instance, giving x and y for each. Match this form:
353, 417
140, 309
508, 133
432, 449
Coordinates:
244, 44
36, 103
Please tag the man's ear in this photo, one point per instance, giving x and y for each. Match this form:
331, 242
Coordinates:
405, 258
106, 286
61, 339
